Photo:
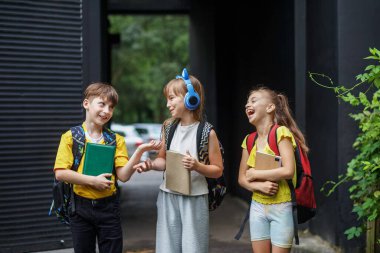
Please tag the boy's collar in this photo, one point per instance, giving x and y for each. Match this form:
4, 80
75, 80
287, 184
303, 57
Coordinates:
85, 128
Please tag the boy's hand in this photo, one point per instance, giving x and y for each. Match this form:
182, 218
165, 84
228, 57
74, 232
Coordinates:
102, 182
144, 166
189, 162
152, 145
267, 187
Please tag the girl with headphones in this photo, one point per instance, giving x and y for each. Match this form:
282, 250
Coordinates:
183, 219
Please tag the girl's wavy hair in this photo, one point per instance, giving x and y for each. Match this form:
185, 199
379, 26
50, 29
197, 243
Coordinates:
283, 114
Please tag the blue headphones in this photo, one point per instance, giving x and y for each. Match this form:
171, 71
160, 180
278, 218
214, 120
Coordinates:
191, 99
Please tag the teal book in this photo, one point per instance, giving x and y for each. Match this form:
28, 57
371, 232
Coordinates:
98, 159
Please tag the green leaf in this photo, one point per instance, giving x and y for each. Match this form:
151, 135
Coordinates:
363, 99
368, 203
353, 232
377, 83
369, 67
353, 188
372, 217
358, 232
375, 168
377, 51
350, 99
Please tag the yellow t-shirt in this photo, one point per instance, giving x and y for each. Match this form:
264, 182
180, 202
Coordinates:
65, 160
283, 194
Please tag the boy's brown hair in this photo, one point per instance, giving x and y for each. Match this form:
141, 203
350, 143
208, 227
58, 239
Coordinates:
104, 90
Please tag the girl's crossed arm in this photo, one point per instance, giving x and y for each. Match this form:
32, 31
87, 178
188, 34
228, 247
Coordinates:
285, 172
266, 187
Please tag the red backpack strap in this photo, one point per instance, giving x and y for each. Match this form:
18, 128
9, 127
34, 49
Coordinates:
272, 139
251, 139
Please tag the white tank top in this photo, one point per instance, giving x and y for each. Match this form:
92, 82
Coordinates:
185, 139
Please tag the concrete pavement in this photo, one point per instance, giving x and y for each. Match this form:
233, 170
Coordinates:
138, 214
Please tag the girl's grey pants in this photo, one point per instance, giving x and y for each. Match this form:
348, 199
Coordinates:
182, 223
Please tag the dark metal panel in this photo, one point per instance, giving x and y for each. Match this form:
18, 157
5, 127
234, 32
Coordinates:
95, 33
148, 6
41, 82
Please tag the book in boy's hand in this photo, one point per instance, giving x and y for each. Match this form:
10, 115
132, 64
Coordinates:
98, 159
266, 161
178, 178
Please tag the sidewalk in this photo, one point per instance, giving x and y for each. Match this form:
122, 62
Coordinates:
138, 205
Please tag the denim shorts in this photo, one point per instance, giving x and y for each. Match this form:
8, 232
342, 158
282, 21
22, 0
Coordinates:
272, 222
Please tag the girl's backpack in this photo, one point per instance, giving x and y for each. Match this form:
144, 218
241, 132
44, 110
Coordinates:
303, 199
216, 186
63, 204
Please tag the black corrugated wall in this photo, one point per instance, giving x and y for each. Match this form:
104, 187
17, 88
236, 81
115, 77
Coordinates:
41, 81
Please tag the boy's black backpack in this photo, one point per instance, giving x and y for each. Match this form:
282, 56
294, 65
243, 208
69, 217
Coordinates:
216, 186
63, 195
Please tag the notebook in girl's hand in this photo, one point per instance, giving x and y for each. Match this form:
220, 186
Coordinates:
98, 159
178, 178
266, 161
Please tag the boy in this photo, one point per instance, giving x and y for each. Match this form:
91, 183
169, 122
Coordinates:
97, 211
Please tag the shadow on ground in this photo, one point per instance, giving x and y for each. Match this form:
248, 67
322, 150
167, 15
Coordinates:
138, 206
138, 214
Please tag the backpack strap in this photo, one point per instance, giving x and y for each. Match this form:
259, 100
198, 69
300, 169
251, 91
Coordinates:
201, 137
216, 186
295, 214
79, 141
241, 229
203, 133
169, 132
251, 139
109, 137
272, 141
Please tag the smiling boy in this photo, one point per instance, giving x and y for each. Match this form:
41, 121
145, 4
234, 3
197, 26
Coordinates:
97, 211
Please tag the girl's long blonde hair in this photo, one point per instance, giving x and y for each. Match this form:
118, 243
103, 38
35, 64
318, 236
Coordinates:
283, 114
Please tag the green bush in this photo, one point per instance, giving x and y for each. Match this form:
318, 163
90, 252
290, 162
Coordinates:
363, 171
152, 50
